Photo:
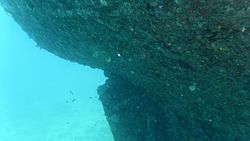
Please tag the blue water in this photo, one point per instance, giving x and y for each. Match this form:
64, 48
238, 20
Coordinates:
43, 97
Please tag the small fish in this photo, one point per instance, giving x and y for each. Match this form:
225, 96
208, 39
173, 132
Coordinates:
73, 100
71, 92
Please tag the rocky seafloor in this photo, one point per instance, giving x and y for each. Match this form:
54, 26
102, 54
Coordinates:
178, 70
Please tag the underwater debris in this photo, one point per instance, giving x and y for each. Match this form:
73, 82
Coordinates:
104, 2
108, 60
192, 87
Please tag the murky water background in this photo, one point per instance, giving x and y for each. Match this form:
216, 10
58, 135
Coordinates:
43, 97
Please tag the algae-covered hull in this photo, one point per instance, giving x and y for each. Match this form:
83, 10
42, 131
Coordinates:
179, 70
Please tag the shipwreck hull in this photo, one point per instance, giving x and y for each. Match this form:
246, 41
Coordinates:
183, 65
